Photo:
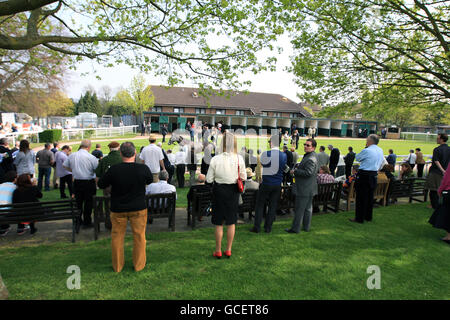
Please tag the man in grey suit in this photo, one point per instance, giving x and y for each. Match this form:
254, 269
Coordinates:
305, 174
323, 158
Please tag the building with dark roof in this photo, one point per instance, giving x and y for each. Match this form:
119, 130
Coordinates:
241, 110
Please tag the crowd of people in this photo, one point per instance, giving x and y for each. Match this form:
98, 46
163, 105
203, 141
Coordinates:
127, 176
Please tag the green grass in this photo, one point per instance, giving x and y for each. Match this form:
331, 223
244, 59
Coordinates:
53, 195
330, 262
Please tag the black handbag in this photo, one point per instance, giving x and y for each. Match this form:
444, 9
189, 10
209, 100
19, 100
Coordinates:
441, 216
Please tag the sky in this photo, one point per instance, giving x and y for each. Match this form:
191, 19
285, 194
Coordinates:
279, 82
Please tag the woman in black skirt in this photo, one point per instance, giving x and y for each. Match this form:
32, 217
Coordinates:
223, 172
441, 216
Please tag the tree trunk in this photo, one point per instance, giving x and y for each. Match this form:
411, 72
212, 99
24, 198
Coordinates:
3, 290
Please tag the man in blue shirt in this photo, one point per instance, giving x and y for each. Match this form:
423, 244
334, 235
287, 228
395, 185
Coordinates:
371, 159
273, 163
6, 195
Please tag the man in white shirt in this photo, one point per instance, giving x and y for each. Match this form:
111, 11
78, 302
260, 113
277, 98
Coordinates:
180, 163
82, 164
161, 186
153, 157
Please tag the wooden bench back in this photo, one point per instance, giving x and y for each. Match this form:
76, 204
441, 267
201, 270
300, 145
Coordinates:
38, 211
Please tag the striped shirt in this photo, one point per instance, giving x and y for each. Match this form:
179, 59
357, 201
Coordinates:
6, 192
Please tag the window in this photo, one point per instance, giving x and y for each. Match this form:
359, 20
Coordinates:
240, 112
220, 111
200, 110
157, 109
295, 115
277, 114
178, 110
264, 114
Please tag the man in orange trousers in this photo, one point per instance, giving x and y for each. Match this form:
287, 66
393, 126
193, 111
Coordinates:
128, 181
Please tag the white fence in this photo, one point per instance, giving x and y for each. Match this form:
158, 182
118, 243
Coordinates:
74, 134
90, 133
418, 136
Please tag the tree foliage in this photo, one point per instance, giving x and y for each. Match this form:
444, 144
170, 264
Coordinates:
89, 103
347, 48
214, 40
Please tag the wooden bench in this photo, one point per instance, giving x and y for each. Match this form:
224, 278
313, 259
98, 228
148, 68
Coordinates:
350, 196
408, 188
41, 211
248, 203
381, 192
200, 201
154, 209
328, 196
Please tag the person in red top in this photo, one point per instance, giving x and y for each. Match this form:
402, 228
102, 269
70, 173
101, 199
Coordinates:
441, 217
445, 184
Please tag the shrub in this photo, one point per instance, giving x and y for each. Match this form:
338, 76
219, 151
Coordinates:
88, 133
50, 135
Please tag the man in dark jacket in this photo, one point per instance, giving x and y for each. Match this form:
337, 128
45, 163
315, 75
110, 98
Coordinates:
289, 163
305, 174
7, 163
349, 159
334, 158
164, 132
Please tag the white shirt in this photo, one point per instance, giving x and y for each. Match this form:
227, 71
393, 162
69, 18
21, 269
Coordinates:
224, 168
171, 158
151, 155
83, 165
159, 187
412, 158
180, 158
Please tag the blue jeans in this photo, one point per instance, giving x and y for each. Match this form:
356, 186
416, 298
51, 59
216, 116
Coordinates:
44, 172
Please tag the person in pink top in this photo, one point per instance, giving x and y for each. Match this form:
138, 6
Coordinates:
445, 184
445, 222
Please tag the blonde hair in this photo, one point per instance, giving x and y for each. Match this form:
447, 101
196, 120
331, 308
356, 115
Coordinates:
229, 143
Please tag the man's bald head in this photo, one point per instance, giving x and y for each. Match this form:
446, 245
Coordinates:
201, 178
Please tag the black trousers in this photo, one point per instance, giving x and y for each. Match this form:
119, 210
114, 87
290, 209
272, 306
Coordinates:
170, 171
434, 199
348, 170
333, 167
412, 165
272, 195
62, 185
366, 182
181, 169
84, 191
420, 170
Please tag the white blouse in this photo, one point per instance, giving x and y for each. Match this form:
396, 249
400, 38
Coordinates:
224, 168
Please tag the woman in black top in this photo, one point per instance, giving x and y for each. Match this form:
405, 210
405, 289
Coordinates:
26, 191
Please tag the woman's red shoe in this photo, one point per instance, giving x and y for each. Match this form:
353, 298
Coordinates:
227, 253
217, 254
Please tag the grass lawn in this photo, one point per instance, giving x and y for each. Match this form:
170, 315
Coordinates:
400, 147
330, 262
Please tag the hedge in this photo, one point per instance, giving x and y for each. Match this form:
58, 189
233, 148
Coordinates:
50, 135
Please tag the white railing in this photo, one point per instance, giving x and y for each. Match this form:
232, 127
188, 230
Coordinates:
73, 134
418, 136
90, 133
